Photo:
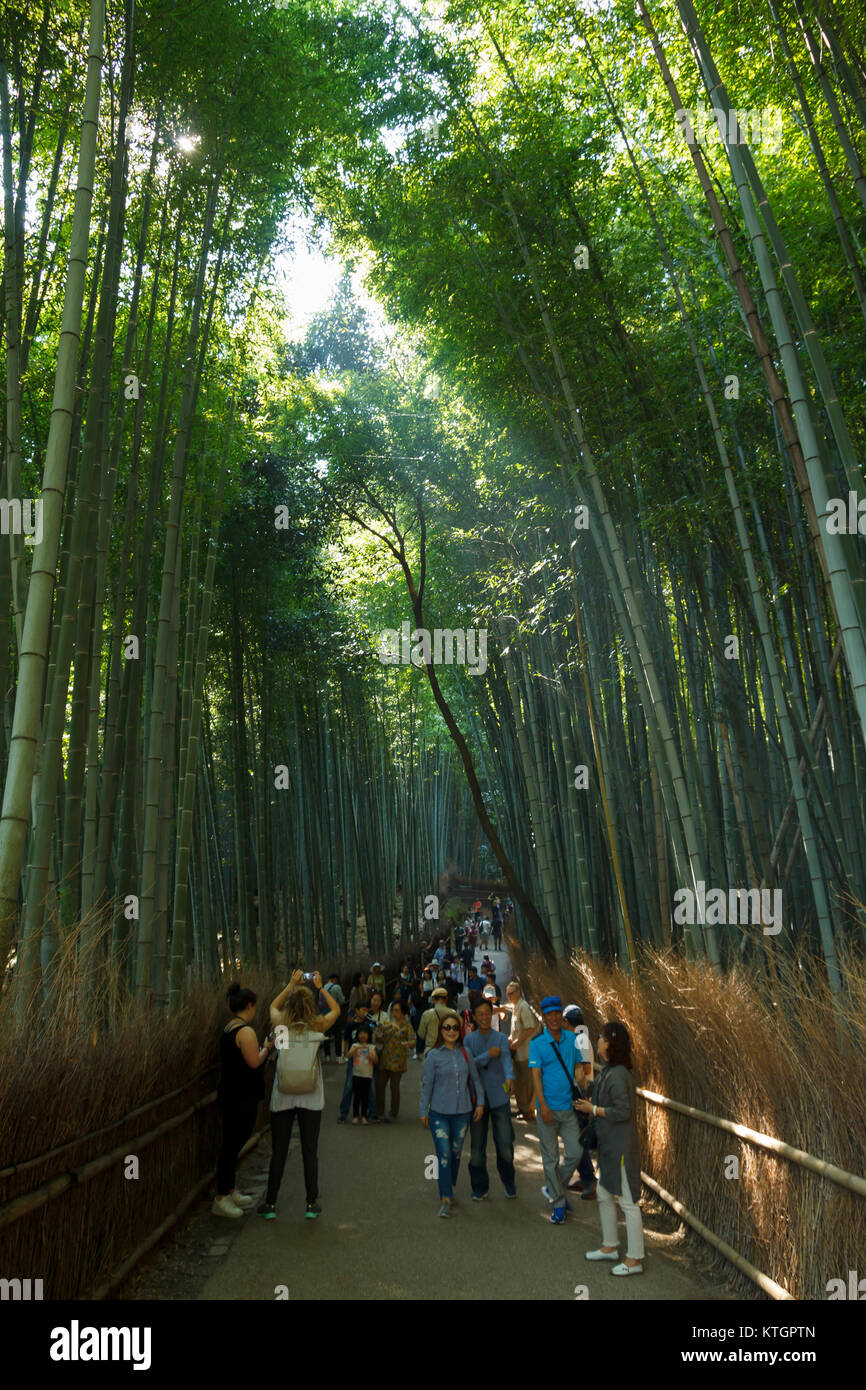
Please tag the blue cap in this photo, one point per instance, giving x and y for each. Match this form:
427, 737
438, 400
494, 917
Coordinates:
550, 1003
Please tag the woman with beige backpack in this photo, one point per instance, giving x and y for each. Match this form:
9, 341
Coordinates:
298, 1088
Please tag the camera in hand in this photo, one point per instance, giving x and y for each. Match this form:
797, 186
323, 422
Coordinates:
309, 977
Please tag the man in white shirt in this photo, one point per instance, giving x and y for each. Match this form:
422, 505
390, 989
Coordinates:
524, 1026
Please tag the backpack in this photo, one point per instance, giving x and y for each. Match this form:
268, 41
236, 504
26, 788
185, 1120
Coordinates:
294, 1079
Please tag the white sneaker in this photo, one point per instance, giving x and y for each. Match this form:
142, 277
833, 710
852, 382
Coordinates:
602, 1254
224, 1206
627, 1269
241, 1200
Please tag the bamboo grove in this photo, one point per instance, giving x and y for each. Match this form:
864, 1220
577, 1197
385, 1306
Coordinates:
672, 327
613, 424
143, 655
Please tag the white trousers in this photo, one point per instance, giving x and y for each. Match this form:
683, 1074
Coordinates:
633, 1219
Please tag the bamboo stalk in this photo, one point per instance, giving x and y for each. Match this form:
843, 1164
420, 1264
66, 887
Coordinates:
15, 821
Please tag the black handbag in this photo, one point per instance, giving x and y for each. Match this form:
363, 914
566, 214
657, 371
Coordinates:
588, 1136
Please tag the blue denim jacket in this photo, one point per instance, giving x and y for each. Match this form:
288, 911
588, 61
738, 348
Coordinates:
445, 1086
494, 1070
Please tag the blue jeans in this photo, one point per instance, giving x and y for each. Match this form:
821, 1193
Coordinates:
346, 1099
503, 1139
449, 1133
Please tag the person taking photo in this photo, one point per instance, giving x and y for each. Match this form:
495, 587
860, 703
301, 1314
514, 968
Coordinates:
301, 1030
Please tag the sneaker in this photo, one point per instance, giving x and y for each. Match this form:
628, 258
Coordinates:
341, 1119
557, 1216
364, 1120
589, 1195
267, 1210
224, 1206
511, 1193
602, 1254
627, 1269
313, 1210
480, 1196
241, 1200
546, 1192
445, 1209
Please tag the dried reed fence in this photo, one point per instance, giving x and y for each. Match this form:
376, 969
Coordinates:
82, 1087
760, 1048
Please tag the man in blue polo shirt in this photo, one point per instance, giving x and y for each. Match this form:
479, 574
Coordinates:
554, 1064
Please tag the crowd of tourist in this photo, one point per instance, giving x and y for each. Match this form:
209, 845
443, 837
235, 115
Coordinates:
480, 1050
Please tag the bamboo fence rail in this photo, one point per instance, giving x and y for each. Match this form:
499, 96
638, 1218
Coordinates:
123, 1270
15, 1168
764, 1141
31, 1201
763, 1281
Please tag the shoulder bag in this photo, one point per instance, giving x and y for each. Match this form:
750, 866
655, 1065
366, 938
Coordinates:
576, 1092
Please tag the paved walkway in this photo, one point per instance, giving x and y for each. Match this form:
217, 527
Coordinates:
379, 1236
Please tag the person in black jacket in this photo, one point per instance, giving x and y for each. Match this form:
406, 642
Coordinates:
240, 1090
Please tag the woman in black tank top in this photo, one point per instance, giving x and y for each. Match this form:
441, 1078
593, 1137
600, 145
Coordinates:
240, 1090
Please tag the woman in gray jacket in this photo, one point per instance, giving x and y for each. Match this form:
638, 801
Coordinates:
613, 1106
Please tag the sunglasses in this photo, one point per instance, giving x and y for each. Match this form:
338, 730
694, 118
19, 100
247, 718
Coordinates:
450, 1028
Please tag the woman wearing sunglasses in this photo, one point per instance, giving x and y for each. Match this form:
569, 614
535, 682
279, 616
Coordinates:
450, 1092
